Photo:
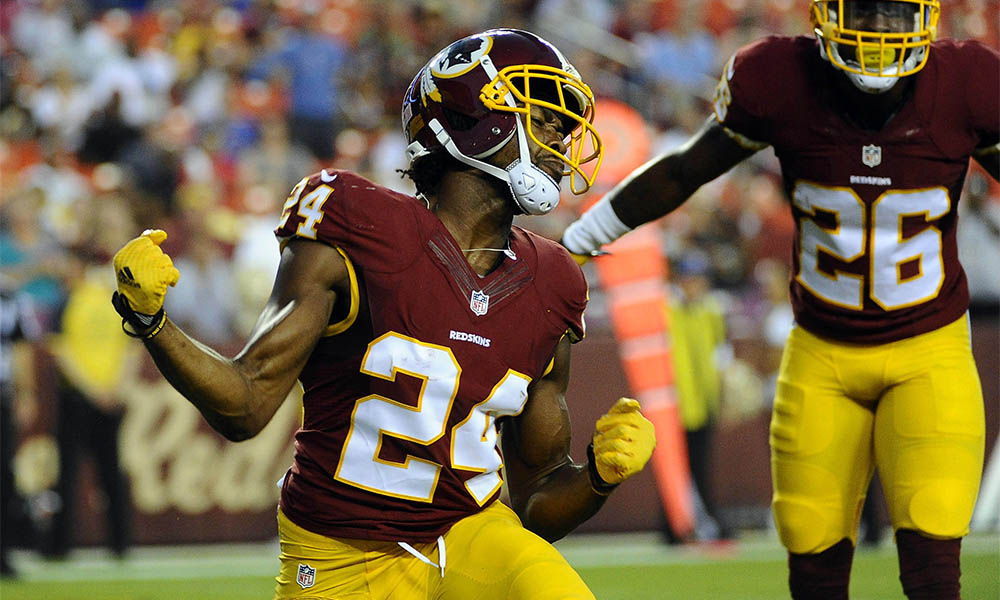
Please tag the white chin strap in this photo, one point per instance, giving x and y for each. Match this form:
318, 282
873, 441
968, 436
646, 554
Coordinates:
534, 190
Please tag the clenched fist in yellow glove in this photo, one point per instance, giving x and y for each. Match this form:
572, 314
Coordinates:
622, 444
143, 272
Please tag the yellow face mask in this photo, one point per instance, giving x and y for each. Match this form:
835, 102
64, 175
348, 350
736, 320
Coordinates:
873, 40
567, 96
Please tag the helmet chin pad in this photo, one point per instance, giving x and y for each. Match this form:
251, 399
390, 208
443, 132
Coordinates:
534, 190
870, 84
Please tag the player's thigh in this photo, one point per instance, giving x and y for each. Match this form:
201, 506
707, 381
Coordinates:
930, 435
491, 556
316, 567
821, 457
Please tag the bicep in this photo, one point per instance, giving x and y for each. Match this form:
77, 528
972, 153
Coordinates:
309, 279
537, 441
665, 182
712, 151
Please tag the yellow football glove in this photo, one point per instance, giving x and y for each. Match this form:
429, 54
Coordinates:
622, 444
582, 259
143, 272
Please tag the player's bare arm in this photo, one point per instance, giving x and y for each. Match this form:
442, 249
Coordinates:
665, 182
239, 395
551, 493
657, 188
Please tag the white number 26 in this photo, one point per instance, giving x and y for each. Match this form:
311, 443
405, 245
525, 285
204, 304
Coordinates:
882, 240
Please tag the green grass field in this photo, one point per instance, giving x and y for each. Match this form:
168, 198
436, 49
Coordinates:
628, 566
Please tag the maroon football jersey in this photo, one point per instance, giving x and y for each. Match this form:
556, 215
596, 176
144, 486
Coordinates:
875, 211
398, 439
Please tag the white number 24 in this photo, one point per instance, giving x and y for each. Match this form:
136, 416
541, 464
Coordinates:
886, 246
473, 440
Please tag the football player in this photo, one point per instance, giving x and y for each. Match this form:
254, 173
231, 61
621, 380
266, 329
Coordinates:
873, 122
423, 330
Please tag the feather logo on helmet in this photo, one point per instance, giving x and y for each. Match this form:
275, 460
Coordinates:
461, 57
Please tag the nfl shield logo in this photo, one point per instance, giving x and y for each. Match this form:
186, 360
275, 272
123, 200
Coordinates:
871, 155
306, 577
479, 303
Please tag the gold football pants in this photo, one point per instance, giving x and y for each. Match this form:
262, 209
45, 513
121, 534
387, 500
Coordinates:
487, 556
913, 407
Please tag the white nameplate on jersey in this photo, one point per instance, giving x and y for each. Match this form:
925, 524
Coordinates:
306, 577
871, 155
479, 303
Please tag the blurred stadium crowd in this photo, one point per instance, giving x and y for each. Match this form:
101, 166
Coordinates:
198, 117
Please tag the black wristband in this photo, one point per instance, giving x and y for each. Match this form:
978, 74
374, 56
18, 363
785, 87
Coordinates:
599, 486
139, 325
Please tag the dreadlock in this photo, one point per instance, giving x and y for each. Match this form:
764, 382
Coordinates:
427, 171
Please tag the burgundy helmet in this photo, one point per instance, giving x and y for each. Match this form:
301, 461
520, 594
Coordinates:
467, 97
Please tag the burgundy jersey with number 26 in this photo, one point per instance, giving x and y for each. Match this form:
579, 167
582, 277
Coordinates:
875, 257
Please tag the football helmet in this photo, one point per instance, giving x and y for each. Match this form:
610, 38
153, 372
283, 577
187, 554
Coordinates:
875, 42
467, 99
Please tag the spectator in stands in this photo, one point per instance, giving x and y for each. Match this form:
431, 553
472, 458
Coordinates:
61, 108
310, 60
275, 162
29, 255
678, 61
206, 303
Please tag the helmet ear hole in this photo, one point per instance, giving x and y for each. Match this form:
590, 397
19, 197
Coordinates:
458, 121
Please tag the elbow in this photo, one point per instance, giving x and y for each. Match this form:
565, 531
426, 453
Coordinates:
546, 528
238, 434
235, 429
544, 531
242, 420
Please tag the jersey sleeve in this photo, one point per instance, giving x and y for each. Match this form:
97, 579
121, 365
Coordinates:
563, 288
370, 224
983, 92
745, 102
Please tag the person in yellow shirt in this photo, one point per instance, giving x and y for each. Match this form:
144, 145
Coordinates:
697, 333
96, 363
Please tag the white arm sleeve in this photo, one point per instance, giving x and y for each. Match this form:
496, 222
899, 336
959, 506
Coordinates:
599, 225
